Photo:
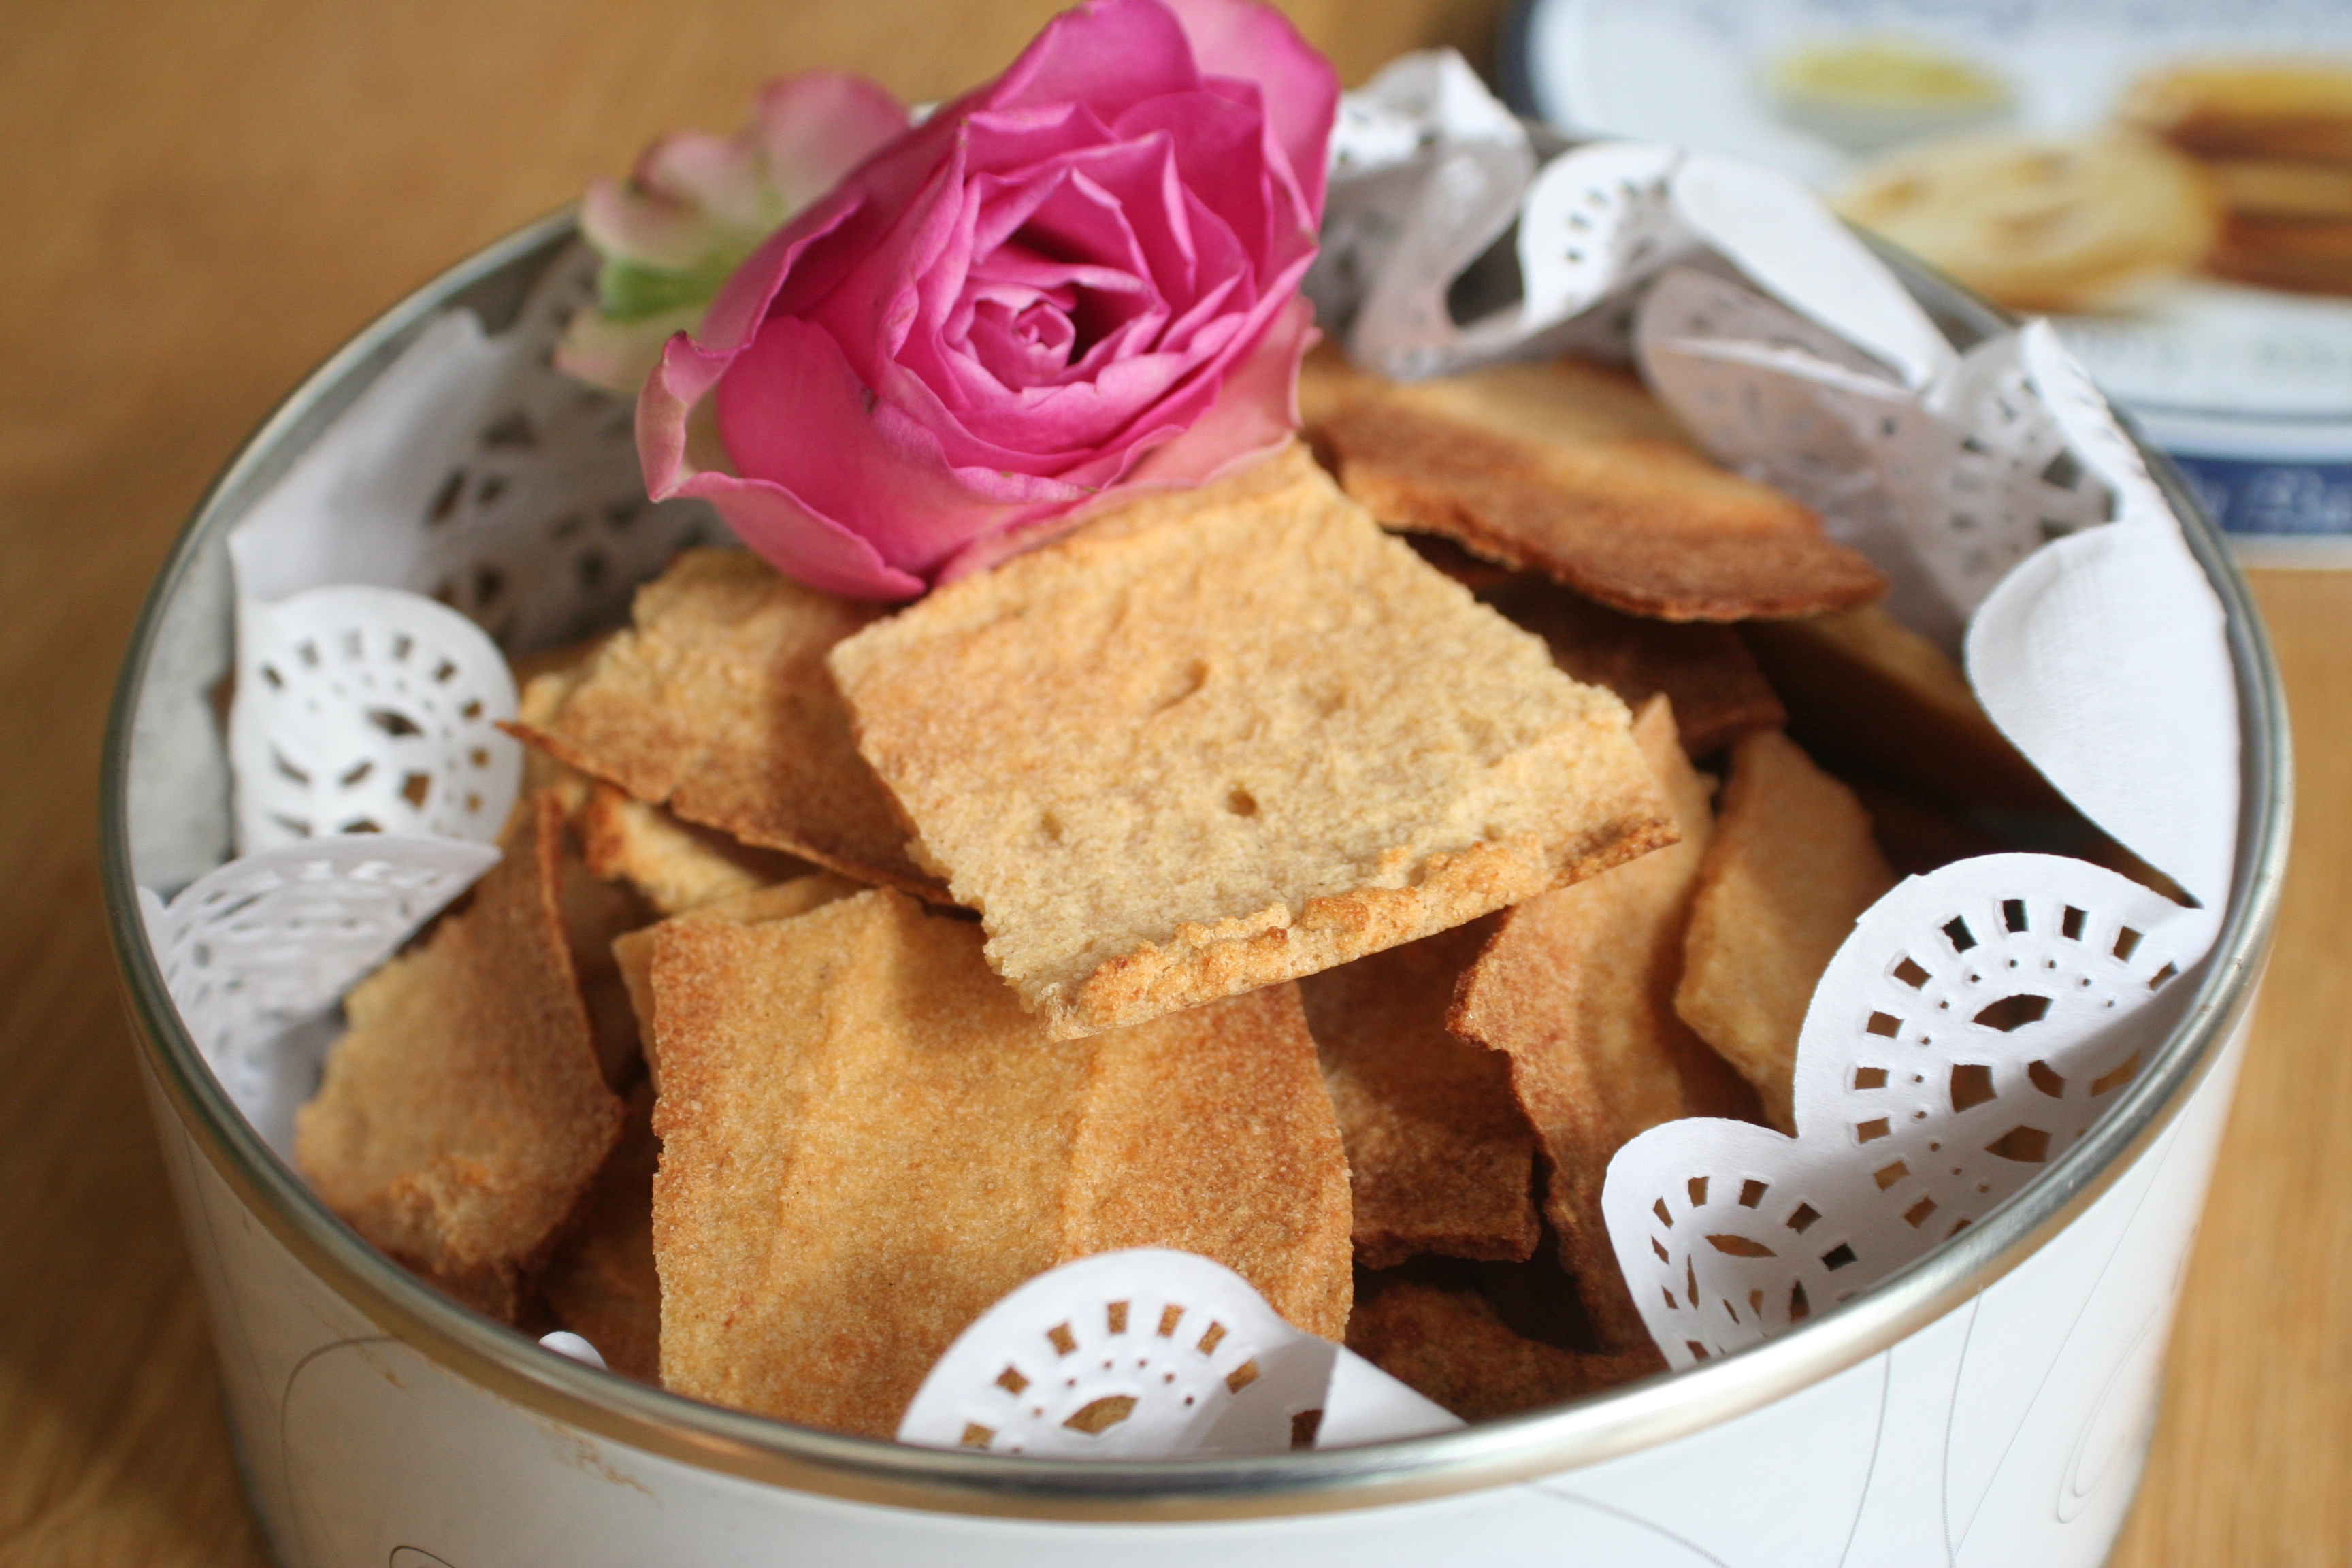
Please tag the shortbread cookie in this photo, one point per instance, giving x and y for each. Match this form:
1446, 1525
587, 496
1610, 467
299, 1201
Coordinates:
1439, 1156
2310, 255
2041, 224
542, 682
675, 865
1227, 738
1706, 671
601, 1283
2275, 188
1574, 470
1579, 987
716, 704
1870, 695
597, 914
865, 1144
1452, 1347
1793, 866
2249, 108
632, 953
463, 1114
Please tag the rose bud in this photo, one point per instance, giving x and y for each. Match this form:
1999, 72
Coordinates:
696, 205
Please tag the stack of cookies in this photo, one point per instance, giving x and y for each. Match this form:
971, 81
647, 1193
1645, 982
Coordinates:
2275, 136
1323, 872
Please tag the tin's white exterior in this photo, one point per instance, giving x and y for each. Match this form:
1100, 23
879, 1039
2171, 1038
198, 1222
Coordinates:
2009, 1432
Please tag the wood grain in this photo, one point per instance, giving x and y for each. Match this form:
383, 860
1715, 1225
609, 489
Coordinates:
206, 200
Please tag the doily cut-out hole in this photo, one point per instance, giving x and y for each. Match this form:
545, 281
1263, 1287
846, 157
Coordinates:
1151, 1354
279, 936
364, 710
1971, 1029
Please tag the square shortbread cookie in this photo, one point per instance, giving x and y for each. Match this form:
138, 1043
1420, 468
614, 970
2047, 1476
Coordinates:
865, 1144
716, 703
1230, 737
1574, 470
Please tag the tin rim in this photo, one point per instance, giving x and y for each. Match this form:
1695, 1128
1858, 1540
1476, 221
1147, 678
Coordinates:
1486, 1454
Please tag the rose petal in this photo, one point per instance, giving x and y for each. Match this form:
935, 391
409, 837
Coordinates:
1078, 278
692, 193
1297, 86
1255, 414
1217, 149
718, 176
849, 458
1110, 53
628, 225
798, 543
1256, 408
814, 127
619, 355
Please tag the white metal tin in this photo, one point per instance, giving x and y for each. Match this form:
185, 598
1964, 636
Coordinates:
1989, 1405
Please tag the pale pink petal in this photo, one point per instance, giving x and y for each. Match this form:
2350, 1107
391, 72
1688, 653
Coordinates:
619, 355
718, 176
627, 224
813, 128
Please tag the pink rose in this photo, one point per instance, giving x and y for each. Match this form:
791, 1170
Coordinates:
1082, 277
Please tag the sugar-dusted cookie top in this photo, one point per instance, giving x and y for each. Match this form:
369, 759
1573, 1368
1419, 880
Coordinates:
716, 703
865, 1144
465, 1114
1229, 737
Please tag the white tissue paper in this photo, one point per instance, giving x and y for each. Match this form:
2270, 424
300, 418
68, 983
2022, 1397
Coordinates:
2018, 527
1150, 1354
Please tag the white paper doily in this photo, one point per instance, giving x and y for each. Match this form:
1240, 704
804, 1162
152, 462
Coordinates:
1971, 1029
279, 936
474, 473
364, 710
1151, 1354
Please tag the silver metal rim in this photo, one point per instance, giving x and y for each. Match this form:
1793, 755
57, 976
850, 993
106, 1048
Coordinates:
1488, 1454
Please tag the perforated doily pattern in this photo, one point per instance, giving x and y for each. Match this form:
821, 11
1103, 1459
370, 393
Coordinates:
538, 526
1594, 222
368, 711
473, 472
1947, 489
1149, 1353
277, 936
1977, 1023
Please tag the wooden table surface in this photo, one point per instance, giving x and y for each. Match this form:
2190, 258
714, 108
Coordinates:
206, 200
